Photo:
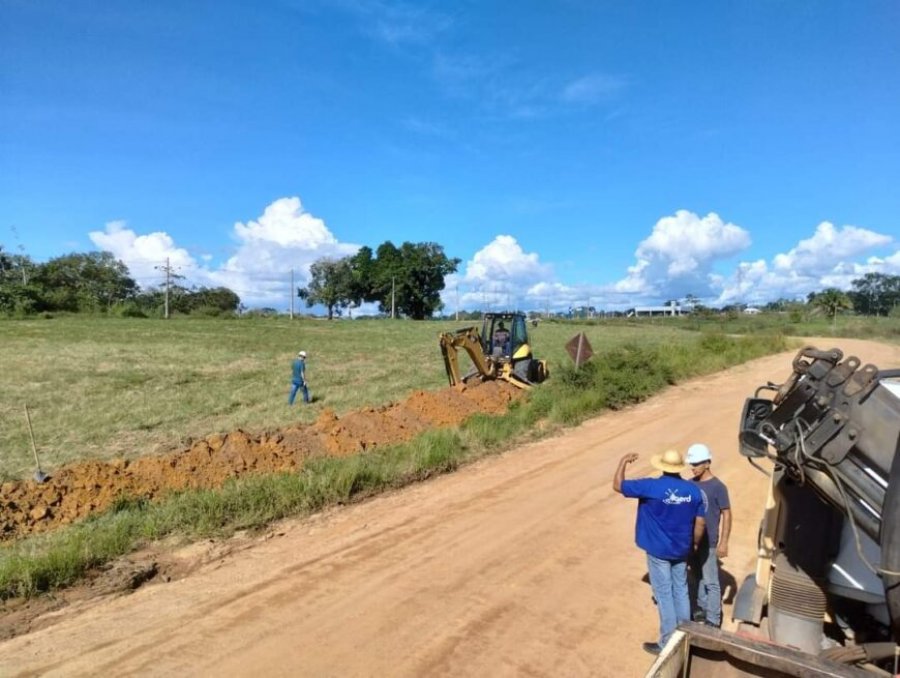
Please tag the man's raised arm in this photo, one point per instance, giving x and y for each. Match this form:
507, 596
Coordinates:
620, 471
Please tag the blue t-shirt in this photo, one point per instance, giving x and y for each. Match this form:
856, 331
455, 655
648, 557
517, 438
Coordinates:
715, 496
299, 371
665, 516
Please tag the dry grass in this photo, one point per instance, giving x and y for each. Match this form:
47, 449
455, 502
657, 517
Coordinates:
111, 387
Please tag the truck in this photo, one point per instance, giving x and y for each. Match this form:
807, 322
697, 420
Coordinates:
824, 598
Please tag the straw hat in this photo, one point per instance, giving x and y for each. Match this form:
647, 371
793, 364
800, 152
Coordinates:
669, 461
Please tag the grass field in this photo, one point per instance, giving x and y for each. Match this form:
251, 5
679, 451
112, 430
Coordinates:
109, 387
113, 387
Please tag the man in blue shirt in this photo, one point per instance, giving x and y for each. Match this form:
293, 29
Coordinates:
670, 524
298, 378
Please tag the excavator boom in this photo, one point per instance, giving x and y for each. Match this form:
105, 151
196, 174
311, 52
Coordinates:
469, 340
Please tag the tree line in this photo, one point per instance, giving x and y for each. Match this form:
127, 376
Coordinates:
96, 282
406, 280
873, 294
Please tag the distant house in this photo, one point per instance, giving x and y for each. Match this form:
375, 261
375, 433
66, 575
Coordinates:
750, 310
650, 311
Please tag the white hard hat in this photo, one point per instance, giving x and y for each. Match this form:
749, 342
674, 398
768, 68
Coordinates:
302, 354
698, 453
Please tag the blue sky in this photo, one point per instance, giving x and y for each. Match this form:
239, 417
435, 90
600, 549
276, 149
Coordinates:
610, 153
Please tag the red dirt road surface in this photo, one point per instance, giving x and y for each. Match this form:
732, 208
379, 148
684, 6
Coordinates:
517, 565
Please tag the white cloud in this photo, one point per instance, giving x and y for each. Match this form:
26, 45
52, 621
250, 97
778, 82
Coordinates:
504, 88
284, 223
827, 247
678, 256
891, 264
497, 276
504, 258
143, 254
398, 23
823, 260
285, 237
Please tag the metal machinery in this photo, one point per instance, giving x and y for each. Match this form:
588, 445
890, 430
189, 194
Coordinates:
827, 579
500, 351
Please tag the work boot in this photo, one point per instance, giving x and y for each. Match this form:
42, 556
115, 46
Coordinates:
652, 648
699, 616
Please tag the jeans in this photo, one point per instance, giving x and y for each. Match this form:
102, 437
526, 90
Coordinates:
294, 388
668, 579
705, 565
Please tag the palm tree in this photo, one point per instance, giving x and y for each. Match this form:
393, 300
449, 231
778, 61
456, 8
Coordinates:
830, 301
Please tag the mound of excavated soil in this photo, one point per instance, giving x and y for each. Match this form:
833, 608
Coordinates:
77, 490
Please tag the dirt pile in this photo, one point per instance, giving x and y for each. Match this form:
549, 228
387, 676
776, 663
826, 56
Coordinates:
78, 490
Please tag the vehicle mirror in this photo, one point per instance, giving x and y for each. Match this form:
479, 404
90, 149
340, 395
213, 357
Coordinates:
756, 411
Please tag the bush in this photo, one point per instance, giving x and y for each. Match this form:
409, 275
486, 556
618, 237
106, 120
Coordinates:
128, 310
208, 312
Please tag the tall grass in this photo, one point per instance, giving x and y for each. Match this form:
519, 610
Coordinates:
623, 375
124, 387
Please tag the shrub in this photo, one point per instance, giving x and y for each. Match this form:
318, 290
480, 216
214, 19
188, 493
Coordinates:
128, 310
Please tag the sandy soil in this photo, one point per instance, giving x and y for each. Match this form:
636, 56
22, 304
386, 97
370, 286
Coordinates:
518, 565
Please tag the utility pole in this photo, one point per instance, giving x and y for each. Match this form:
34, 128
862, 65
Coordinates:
293, 292
457, 302
393, 295
168, 282
168, 270
21, 248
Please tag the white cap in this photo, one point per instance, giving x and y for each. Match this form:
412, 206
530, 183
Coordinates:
698, 453
302, 354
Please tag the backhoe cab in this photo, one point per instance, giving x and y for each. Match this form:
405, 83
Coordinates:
500, 351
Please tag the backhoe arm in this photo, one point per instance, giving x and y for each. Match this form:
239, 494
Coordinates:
469, 340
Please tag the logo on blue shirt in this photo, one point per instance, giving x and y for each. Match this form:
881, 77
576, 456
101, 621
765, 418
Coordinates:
672, 497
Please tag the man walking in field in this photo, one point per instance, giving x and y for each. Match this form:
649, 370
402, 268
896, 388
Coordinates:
298, 378
714, 545
670, 523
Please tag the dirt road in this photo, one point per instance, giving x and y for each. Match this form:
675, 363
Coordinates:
518, 565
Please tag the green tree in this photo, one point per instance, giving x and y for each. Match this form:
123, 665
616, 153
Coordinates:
425, 265
830, 301
219, 298
408, 278
362, 273
876, 293
18, 292
330, 284
84, 281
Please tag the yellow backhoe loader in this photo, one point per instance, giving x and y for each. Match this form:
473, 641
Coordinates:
500, 351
